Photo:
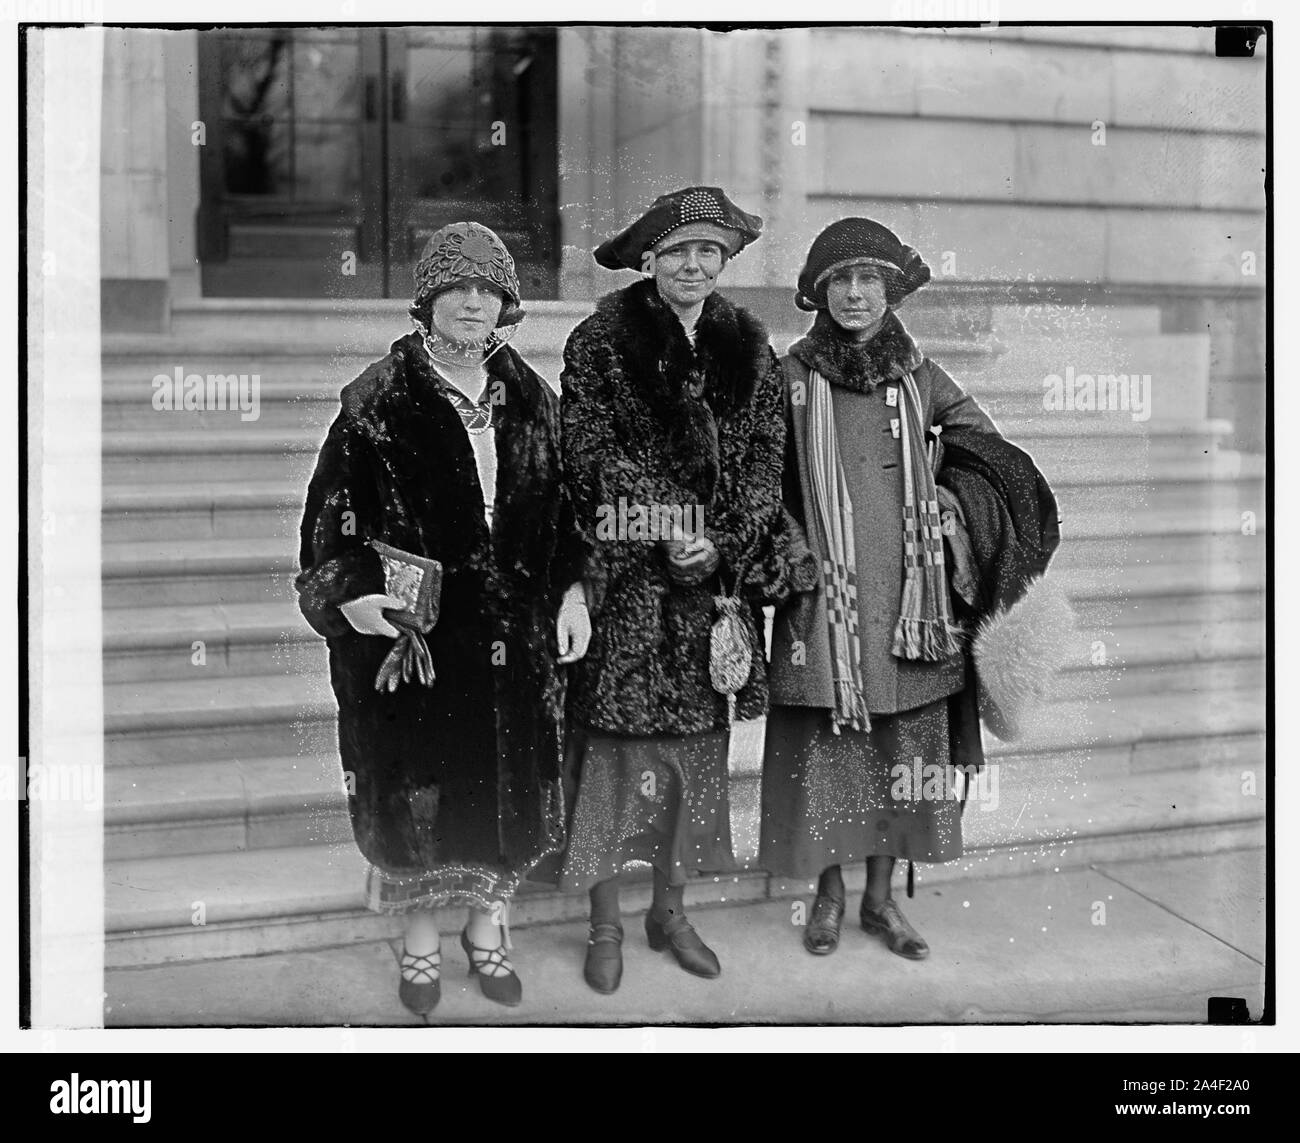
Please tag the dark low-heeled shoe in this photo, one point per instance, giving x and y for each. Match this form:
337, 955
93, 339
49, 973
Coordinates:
678, 935
887, 922
422, 992
503, 987
603, 969
821, 936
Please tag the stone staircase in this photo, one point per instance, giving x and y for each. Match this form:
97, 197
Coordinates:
223, 786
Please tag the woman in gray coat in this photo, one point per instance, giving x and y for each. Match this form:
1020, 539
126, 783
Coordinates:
868, 674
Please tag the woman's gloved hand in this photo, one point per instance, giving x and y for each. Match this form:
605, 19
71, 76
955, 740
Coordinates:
690, 560
573, 625
366, 614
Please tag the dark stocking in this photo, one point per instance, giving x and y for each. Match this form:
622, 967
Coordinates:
604, 902
667, 899
880, 870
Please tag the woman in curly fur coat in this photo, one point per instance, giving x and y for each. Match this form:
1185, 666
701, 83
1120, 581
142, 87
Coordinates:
673, 433
448, 449
870, 677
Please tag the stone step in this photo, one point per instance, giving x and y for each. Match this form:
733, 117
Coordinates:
1065, 450
314, 403
1118, 433
302, 391
198, 717
157, 573
286, 376
163, 573
238, 569
1202, 484
142, 510
1160, 377
1167, 539
262, 900
1164, 658
1079, 487
362, 325
1197, 610
1142, 584
1170, 358
226, 328
1203, 677
236, 639
231, 329
223, 805
218, 640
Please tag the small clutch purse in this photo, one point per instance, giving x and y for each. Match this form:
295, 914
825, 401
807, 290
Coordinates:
417, 582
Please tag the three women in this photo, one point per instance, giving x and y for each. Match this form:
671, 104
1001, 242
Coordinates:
674, 412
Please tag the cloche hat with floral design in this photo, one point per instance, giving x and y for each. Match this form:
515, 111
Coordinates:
462, 251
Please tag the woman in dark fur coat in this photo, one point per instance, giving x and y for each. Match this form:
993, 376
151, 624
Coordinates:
448, 449
671, 405
872, 693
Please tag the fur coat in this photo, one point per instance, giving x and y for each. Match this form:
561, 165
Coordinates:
648, 420
466, 772
1022, 617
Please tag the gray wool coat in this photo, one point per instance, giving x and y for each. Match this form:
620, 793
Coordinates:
800, 668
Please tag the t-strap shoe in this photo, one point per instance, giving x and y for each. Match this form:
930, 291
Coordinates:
421, 987
496, 976
603, 969
821, 936
887, 922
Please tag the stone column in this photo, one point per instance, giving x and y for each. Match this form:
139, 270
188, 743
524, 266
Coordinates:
587, 110
181, 80
63, 778
135, 263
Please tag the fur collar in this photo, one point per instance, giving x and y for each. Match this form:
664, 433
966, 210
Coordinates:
860, 367
729, 353
391, 386
521, 387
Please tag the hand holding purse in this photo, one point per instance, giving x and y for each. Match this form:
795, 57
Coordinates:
416, 582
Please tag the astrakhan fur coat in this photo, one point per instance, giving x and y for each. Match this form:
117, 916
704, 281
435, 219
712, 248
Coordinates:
648, 420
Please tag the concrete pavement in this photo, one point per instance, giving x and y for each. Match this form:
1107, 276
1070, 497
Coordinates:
1136, 941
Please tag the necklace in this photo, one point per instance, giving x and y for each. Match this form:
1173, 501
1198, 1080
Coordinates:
476, 416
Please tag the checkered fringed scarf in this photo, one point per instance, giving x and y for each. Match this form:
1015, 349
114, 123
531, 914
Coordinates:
925, 629
830, 494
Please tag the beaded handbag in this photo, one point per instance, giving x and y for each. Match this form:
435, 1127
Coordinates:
731, 651
417, 582
731, 655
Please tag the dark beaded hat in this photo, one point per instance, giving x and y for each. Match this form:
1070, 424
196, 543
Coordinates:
702, 213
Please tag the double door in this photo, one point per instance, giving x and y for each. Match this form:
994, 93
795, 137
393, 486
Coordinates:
331, 154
